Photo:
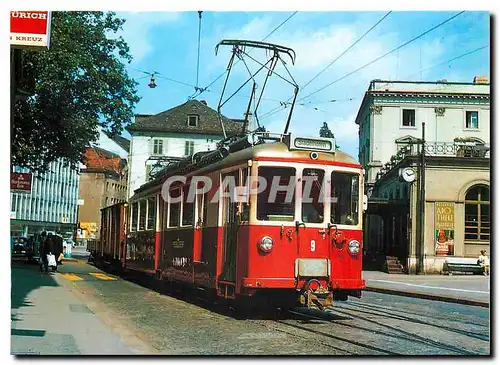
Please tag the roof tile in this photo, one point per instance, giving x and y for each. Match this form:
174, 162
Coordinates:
176, 120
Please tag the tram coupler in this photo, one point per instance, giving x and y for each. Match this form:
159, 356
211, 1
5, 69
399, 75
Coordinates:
319, 298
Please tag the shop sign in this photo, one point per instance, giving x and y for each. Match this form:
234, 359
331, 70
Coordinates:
20, 182
30, 29
445, 228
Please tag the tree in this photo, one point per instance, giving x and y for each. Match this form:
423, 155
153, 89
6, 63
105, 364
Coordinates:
75, 86
325, 132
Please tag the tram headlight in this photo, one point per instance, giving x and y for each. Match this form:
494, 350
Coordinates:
354, 247
266, 244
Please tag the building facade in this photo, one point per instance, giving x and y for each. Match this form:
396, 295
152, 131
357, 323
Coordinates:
51, 204
429, 191
393, 110
171, 135
103, 182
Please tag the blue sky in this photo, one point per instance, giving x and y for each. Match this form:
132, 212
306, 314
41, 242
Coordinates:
166, 42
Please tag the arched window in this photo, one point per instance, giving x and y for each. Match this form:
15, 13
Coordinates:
477, 213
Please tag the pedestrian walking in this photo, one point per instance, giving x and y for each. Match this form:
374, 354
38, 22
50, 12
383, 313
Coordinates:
41, 255
58, 248
484, 261
48, 250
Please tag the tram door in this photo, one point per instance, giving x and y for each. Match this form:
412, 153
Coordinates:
230, 231
312, 243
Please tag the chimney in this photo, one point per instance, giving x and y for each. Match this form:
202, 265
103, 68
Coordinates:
203, 102
481, 80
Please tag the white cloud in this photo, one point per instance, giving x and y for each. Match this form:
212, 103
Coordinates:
316, 47
136, 30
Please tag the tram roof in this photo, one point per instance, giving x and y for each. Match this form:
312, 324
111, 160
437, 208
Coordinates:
269, 151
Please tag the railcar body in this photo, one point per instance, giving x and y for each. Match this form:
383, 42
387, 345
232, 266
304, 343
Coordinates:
110, 249
276, 244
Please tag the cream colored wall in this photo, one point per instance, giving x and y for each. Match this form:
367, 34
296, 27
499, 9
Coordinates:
450, 185
447, 183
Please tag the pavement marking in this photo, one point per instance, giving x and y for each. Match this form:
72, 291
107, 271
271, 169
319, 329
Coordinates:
101, 276
71, 277
431, 287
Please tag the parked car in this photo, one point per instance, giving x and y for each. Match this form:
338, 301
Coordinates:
68, 239
23, 248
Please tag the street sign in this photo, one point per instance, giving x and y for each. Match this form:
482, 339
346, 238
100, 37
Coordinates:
80, 202
30, 29
20, 182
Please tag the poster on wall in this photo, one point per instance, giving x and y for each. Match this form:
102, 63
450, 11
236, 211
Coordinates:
445, 229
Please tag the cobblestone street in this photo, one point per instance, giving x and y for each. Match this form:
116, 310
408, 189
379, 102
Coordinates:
144, 321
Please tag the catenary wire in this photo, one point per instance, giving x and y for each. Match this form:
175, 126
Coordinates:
199, 41
331, 63
384, 55
347, 50
275, 110
202, 90
448, 61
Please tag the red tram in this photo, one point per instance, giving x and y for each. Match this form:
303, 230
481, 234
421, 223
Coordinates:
238, 242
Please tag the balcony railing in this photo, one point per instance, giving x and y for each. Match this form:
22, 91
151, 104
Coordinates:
466, 149
458, 149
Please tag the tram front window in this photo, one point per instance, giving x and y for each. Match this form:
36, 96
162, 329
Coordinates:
312, 205
345, 198
275, 203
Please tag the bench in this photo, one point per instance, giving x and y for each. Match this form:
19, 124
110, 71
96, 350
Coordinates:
464, 265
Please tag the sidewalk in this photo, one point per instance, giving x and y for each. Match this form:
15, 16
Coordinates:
465, 289
47, 318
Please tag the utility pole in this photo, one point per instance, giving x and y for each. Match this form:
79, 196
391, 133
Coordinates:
421, 256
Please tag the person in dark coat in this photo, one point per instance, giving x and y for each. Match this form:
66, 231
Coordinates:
58, 247
43, 258
48, 248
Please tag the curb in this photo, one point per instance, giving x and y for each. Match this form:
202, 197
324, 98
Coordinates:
70, 259
441, 298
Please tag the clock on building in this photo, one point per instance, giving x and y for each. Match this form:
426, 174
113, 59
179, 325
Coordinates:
408, 174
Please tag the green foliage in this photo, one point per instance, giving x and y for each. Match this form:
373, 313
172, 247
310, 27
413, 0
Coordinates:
325, 131
76, 85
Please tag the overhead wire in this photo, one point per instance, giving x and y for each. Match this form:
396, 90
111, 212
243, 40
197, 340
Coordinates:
202, 90
448, 61
275, 110
334, 60
347, 49
161, 76
199, 41
384, 55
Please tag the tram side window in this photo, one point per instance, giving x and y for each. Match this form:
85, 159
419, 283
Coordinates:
345, 198
282, 207
142, 215
175, 209
312, 205
151, 213
187, 208
133, 214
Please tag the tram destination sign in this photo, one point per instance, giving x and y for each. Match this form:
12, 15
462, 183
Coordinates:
312, 144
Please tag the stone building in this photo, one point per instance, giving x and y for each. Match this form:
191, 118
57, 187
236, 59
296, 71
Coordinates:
103, 182
453, 178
